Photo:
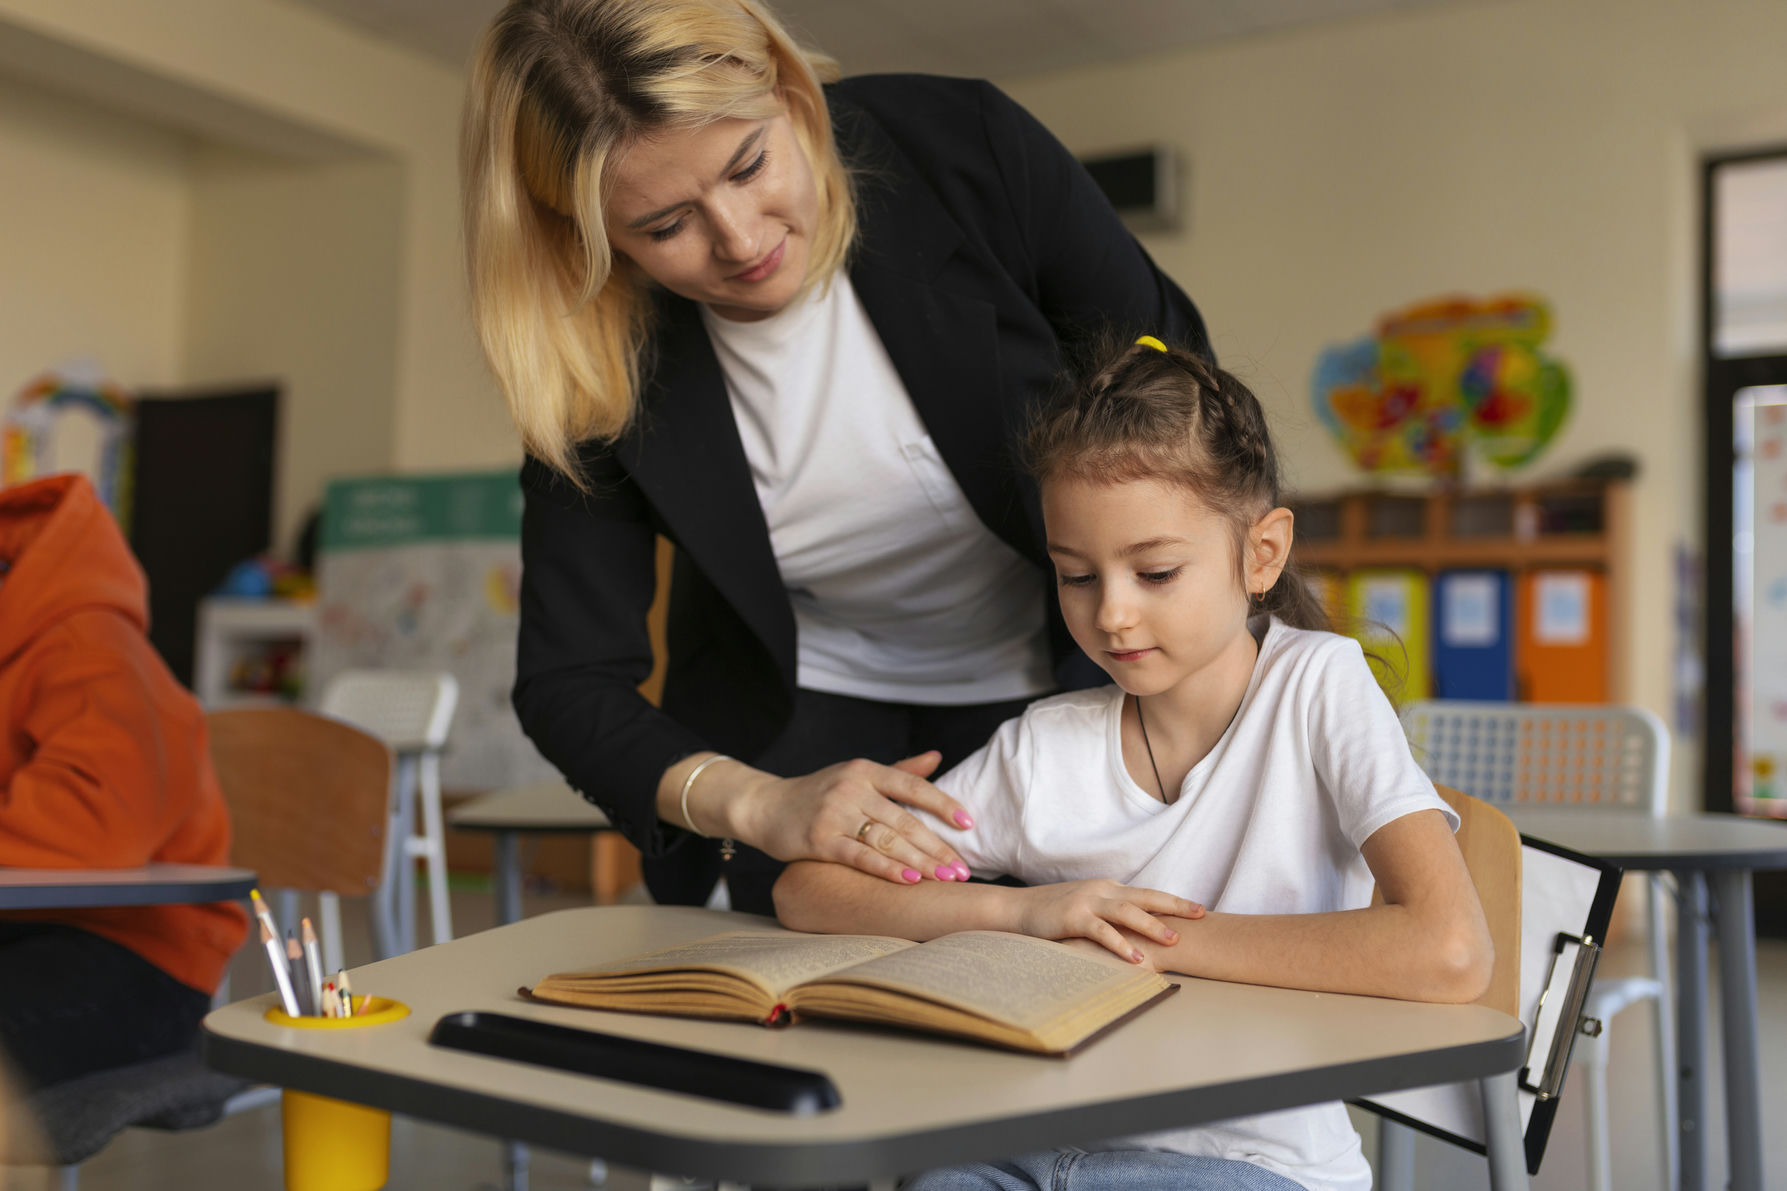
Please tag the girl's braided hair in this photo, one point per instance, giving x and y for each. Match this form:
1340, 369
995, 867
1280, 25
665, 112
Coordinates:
1139, 412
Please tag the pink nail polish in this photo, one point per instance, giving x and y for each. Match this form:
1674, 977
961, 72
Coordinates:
963, 819
912, 874
945, 873
962, 873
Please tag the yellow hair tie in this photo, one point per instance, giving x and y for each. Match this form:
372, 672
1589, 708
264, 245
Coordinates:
1150, 341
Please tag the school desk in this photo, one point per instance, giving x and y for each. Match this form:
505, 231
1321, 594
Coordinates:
550, 807
909, 1101
1724, 849
151, 885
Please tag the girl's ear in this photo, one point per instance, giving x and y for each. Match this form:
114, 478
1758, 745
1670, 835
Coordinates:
1268, 548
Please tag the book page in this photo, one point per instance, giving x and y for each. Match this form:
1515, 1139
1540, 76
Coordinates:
1008, 977
778, 962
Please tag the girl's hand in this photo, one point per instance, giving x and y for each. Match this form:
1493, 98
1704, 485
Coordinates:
1095, 909
851, 813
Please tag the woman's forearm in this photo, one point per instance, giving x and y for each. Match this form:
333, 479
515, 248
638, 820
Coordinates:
833, 899
1386, 951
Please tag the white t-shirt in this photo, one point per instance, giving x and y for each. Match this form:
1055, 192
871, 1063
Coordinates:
900, 591
1270, 822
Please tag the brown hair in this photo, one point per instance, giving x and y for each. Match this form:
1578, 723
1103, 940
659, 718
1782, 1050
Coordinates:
1140, 412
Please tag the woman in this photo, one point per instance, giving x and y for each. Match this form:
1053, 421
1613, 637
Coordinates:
793, 329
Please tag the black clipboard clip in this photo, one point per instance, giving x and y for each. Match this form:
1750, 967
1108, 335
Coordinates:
1558, 1019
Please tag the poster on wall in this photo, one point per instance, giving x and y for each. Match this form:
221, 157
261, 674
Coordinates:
424, 573
1765, 661
1446, 387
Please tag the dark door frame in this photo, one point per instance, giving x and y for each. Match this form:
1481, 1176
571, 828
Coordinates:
1724, 378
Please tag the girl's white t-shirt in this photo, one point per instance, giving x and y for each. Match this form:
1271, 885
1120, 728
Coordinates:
900, 591
1270, 822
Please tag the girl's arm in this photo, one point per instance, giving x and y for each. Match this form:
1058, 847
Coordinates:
832, 899
1428, 941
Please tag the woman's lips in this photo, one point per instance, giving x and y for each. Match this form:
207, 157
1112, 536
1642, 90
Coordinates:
1128, 655
767, 266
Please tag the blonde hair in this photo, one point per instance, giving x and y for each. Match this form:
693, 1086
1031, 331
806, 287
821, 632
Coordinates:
557, 88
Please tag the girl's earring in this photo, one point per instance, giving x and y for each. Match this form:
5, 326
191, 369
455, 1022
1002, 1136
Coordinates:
1259, 599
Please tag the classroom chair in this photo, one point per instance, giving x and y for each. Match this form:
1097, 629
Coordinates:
307, 798
412, 712
1581, 756
1491, 848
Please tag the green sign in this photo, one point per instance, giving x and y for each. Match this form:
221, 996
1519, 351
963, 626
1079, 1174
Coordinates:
379, 512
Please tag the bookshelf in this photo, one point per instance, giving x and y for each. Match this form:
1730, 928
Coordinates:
1584, 524
239, 639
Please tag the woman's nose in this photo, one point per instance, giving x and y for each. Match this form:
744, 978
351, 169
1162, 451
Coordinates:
735, 235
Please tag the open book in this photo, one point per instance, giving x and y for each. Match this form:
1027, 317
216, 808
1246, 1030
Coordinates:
1003, 989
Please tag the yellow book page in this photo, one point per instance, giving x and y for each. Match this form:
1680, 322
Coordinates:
1025, 982
775, 962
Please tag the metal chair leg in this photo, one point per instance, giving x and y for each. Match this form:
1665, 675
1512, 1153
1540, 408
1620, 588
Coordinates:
434, 848
406, 869
1502, 1137
1395, 1156
1664, 1006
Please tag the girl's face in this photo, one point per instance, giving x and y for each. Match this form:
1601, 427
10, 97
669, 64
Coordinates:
1148, 581
722, 214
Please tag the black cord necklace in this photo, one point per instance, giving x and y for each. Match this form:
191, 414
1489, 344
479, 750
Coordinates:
1143, 724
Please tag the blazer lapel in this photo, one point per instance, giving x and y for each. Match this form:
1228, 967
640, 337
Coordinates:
684, 453
943, 338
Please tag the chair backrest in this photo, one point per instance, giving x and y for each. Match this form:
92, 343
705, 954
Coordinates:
1566, 754
410, 710
307, 798
1491, 848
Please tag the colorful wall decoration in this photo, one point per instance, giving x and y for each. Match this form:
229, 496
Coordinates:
28, 435
1444, 386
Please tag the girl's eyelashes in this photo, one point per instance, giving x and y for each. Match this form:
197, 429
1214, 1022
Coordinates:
1072, 580
1160, 576
744, 175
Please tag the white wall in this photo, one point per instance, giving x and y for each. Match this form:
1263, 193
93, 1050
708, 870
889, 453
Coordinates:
94, 257
1343, 171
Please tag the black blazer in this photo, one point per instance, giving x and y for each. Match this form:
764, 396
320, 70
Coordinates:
983, 247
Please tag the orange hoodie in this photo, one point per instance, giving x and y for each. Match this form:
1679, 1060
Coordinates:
104, 760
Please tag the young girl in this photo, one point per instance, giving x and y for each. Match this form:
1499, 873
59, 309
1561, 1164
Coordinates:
1244, 760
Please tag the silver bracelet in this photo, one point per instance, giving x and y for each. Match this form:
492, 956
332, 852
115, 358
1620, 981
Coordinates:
690, 781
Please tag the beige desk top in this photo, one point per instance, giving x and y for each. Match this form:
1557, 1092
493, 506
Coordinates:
1212, 1051
543, 806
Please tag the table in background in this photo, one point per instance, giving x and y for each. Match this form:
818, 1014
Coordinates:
909, 1102
542, 808
150, 885
1726, 849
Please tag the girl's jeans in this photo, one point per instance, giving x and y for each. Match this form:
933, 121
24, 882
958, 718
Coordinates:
1105, 1170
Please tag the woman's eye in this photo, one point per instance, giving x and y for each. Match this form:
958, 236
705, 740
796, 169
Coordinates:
1073, 580
1160, 576
752, 170
664, 233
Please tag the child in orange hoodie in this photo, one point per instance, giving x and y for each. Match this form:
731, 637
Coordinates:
104, 763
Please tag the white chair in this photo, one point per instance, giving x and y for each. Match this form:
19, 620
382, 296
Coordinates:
411, 711
1580, 756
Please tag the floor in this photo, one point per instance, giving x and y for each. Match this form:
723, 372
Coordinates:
244, 1151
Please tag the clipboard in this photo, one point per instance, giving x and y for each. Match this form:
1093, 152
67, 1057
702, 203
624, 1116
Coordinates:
1566, 903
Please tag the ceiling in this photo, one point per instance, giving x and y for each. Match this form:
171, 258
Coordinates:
978, 38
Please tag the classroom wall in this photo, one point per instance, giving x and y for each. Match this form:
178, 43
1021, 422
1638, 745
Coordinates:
93, 260
285, 83
1342, 171
295, 274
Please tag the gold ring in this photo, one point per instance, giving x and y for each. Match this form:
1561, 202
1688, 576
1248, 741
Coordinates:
864, 830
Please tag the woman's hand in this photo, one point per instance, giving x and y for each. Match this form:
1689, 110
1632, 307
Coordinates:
851, 813
1095, 909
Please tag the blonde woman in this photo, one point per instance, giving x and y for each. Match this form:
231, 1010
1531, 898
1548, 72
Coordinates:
794, 328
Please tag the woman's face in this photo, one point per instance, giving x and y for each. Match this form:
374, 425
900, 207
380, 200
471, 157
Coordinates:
722, 214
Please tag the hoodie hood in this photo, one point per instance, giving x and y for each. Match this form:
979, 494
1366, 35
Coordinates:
62, 552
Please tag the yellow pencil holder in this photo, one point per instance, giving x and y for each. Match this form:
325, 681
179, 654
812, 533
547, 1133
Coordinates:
331, 1145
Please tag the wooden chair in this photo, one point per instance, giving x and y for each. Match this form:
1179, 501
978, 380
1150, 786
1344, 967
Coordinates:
307, 798
1491, 847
